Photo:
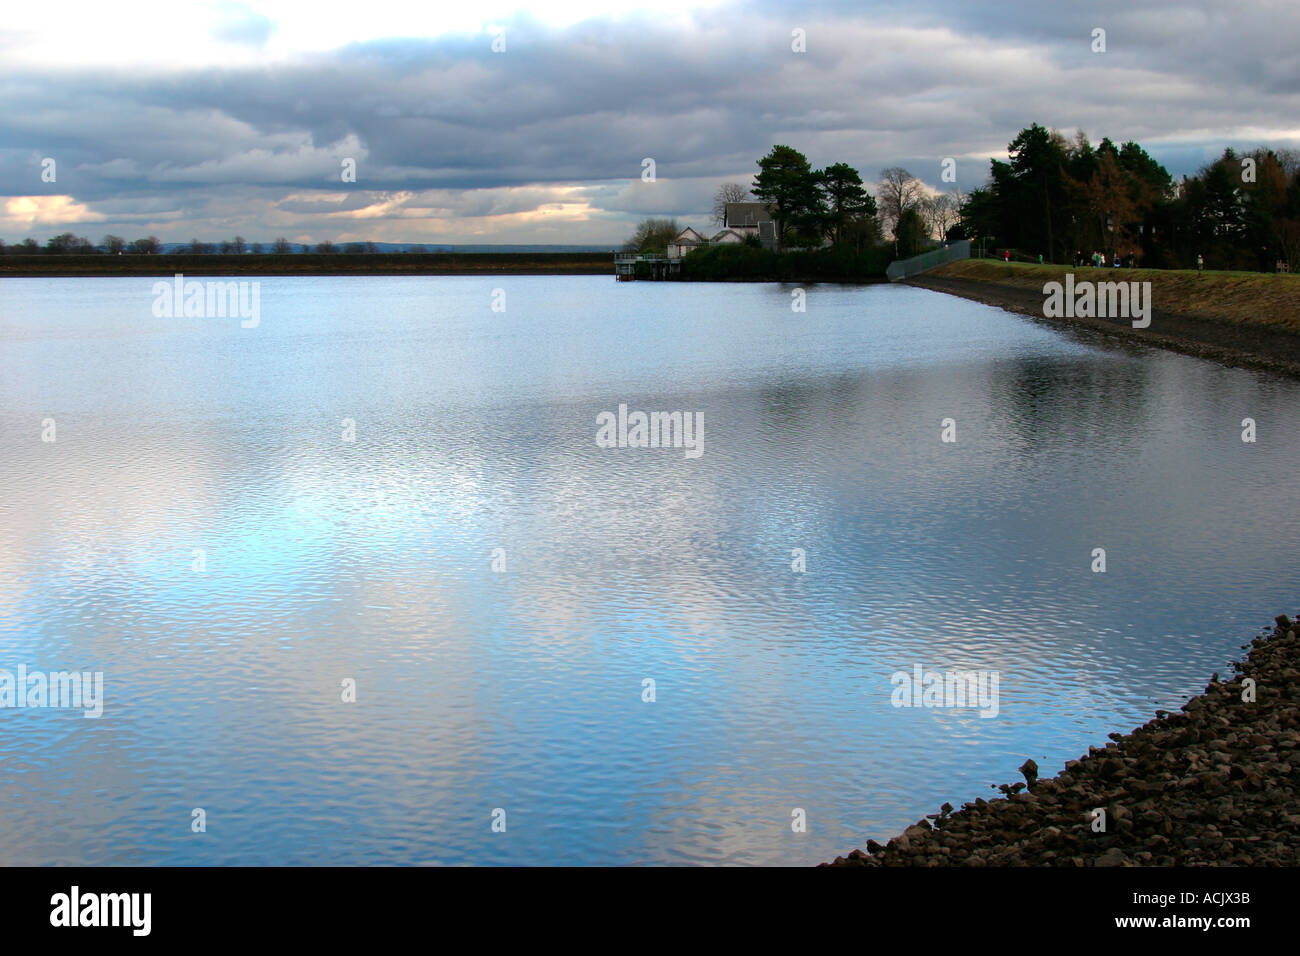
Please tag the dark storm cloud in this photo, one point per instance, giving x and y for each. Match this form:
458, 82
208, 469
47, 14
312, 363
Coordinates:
880, 84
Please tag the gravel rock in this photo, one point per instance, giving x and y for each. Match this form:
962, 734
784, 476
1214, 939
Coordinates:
1214, 784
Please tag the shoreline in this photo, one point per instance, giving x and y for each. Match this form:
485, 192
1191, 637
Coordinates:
1214, 784
310, 264
1218, 339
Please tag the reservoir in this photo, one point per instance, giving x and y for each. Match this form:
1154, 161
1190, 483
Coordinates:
361, 576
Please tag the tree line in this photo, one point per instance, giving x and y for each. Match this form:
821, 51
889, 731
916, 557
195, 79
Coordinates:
1065, 199
827, 208
1060, 199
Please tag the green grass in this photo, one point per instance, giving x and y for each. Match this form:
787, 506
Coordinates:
1256, 298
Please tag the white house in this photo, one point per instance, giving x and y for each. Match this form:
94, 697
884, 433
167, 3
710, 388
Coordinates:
684, 242
743, 219
747, 219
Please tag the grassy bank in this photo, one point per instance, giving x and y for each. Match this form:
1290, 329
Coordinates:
1234, 297
438, 263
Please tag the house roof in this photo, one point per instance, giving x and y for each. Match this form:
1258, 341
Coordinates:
747, 214
689, 235
727, 232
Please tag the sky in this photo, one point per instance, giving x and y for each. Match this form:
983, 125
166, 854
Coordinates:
501, 122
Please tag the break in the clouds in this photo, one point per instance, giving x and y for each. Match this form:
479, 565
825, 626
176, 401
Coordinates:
208, 120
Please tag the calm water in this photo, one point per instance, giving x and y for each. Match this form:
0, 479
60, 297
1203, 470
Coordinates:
372, 560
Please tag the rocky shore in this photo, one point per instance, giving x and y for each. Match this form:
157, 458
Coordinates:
1214, 784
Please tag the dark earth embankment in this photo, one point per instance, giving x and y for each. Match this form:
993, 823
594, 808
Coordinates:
1250, 320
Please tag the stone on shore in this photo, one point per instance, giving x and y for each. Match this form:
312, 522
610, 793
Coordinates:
1214, 784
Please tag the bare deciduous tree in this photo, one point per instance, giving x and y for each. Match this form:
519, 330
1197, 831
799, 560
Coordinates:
941, 213
652, 235
727, 192
1290, 160
1288, 233
898, 192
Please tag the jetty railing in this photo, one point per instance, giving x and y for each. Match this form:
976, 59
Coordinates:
645, 265
949, 252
